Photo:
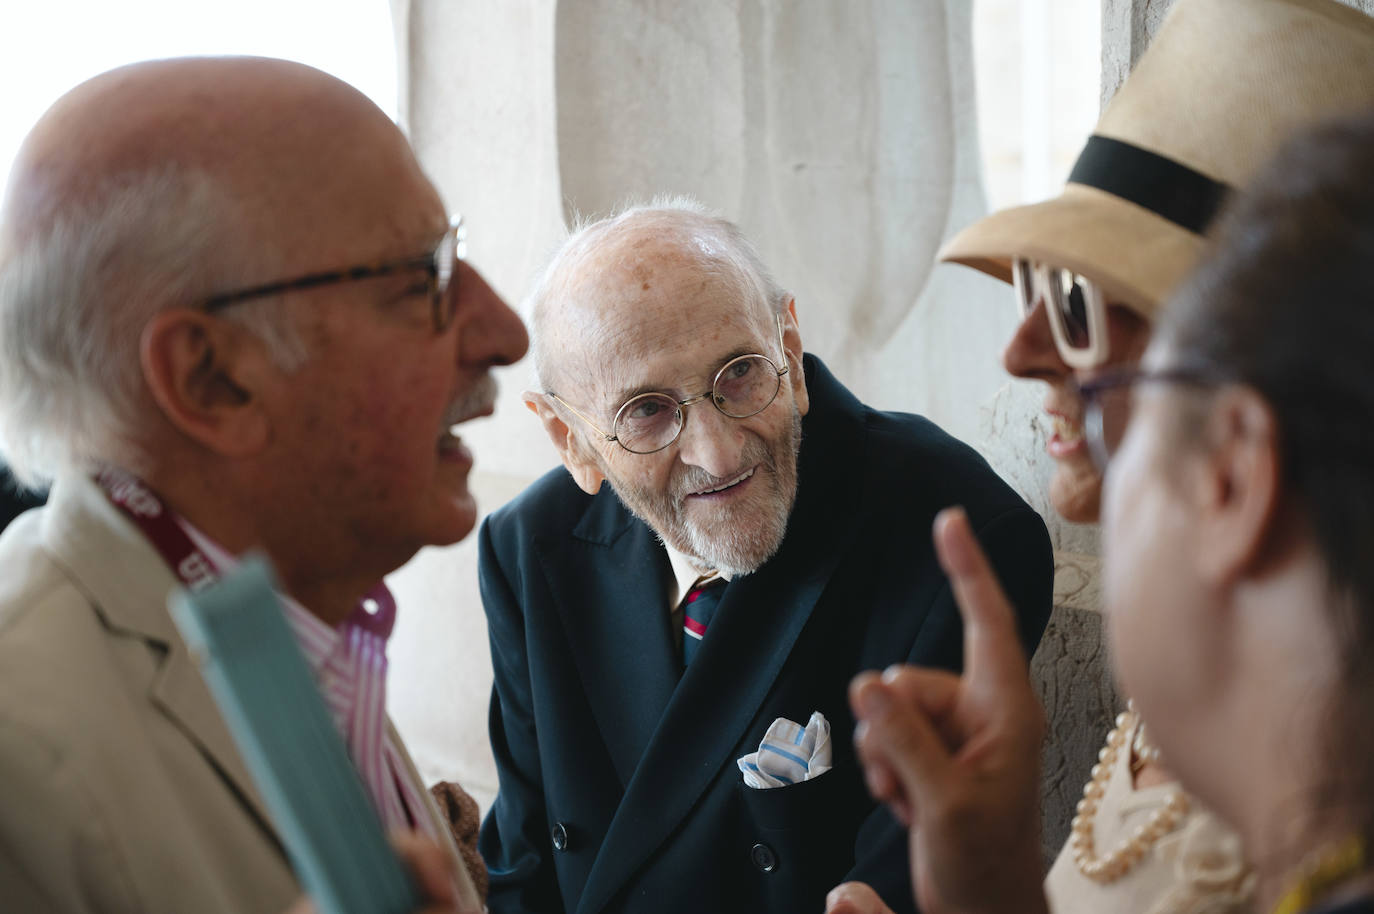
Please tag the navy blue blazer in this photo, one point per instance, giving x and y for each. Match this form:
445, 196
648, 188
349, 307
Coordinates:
618, 784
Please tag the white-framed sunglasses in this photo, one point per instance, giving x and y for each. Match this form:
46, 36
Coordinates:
1076, 306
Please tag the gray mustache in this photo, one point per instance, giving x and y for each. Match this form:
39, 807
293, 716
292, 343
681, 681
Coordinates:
478, 400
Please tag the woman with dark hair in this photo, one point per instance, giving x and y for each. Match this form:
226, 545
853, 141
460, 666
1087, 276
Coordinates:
1238, 517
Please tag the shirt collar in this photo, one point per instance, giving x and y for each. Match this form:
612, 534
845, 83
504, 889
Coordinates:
685, 574
316, 639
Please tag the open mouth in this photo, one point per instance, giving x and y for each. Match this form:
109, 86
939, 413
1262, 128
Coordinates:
1066, 430
729, 484
451, 445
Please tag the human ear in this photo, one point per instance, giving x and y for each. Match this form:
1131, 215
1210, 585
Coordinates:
792, 345
205, 375
579, 463
1239, 486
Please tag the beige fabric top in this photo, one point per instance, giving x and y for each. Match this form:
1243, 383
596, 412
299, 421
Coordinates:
1196, 869
123, 787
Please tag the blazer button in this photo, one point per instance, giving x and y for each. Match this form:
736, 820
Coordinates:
763, 857
560, 836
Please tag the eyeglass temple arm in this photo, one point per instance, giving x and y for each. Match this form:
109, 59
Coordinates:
314, 280
782, 345
578, 413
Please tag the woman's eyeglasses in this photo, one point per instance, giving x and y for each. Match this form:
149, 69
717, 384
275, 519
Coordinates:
1107, 406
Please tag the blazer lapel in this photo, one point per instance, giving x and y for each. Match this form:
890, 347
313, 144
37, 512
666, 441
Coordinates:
610, 583
128, 582
753, 632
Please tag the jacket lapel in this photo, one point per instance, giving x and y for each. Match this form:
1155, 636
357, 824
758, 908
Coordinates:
128, 583
610, 582
753, 632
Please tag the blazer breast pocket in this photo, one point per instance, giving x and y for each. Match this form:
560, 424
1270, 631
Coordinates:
808, 805
801, 837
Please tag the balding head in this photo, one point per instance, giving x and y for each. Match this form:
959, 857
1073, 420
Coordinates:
281, 138
154, 186
664, 317
590, 299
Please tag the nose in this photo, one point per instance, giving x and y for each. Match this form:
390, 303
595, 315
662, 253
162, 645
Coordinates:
489, 332
711, 440
1031, 353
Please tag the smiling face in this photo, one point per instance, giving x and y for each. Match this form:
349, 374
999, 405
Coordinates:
1076, 488
654, 310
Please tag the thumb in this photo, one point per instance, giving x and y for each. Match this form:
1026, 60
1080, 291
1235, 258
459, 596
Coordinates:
854, 898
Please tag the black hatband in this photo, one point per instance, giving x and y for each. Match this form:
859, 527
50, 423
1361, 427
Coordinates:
1171, 189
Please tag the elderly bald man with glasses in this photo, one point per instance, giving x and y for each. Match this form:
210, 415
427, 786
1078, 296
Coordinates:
234, 316
676, 612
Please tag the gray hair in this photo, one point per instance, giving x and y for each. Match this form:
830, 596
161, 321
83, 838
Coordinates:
680, 213
74, 300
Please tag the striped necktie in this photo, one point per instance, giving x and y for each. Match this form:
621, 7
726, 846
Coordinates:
698, 608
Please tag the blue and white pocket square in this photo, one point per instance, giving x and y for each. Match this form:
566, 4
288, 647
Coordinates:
789, 753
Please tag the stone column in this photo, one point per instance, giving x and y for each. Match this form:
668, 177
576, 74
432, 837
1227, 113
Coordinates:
1128, 26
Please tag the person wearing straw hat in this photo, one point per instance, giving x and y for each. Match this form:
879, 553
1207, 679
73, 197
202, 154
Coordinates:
1220, 88
1239, 487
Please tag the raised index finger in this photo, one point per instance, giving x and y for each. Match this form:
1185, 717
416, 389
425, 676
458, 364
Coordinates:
992, 653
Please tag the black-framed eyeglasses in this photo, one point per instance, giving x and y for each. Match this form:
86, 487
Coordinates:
440, 264
744, 386
1106, 405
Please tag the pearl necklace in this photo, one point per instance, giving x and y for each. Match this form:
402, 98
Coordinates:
1116, 863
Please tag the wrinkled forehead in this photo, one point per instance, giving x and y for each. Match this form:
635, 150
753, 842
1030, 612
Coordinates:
656, 314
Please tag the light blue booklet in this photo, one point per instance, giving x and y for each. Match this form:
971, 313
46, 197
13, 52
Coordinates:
269, 699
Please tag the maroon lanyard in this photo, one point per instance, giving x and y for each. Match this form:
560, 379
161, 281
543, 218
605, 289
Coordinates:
143, 506
376, 611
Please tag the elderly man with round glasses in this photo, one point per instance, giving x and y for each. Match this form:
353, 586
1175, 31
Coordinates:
675, 613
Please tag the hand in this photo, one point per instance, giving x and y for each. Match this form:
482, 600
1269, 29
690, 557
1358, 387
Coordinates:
854, 898
429, 866
957, 758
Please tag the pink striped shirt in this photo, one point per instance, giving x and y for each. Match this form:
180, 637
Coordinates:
349, 663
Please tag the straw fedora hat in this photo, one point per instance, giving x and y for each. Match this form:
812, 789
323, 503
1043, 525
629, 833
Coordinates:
1224, 83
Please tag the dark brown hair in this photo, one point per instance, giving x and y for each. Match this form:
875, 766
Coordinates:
1285, 305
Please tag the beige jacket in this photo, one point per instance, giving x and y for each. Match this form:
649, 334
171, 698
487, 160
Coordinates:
122, 790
